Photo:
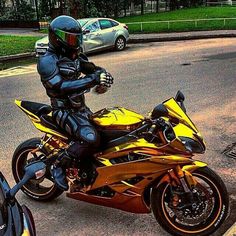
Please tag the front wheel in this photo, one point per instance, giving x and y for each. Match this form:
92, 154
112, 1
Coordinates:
43, 189
202, 216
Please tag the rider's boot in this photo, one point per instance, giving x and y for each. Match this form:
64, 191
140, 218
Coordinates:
58, 170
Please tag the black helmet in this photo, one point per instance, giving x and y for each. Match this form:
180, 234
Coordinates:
65, 34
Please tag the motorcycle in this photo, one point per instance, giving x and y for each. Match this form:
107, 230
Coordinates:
144, 165
17, 220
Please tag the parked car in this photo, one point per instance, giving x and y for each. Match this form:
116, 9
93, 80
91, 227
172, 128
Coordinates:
99, 34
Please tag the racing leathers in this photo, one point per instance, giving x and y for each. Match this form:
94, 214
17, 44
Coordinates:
61, 77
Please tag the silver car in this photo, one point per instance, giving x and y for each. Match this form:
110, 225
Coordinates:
98, 34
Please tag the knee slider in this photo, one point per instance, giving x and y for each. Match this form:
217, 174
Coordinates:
89, 135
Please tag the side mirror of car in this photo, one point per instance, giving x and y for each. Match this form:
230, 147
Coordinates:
32, 170
87, 31
159, 111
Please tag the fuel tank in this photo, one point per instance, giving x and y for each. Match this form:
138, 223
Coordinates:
117, 118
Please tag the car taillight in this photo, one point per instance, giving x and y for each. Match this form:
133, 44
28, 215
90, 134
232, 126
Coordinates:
126, 27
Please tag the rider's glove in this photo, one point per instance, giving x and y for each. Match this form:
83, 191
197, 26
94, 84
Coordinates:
106, 79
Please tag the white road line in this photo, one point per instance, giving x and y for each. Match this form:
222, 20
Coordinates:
18, 70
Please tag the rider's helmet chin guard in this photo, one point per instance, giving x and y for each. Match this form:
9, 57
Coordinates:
65, 35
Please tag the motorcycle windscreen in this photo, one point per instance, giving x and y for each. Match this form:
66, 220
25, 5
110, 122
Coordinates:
176, 111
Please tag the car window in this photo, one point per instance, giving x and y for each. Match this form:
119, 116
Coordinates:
93, 27
105, 24
83, 22
114, 23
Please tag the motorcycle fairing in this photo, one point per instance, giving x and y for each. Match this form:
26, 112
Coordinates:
116, 117
131, 197
37, 121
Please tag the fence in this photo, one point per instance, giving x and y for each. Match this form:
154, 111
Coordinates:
221, 3
169, 22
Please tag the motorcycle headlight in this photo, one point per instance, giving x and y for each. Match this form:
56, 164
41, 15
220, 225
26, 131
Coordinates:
192, 145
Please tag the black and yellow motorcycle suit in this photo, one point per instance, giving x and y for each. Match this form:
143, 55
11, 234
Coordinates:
65, 86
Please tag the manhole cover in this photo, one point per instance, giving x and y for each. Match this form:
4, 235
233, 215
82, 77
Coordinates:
230, 151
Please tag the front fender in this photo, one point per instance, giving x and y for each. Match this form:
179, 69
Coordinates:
194, 166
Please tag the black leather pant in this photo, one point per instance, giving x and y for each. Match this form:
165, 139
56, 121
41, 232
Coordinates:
78, 126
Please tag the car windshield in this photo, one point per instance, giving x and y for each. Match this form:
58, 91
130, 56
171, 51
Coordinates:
83, 22
3, 213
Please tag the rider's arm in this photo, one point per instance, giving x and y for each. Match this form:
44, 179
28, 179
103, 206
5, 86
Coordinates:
87, 67
51, 78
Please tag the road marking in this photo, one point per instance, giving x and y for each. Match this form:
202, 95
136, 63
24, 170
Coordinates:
18, 70
231, 231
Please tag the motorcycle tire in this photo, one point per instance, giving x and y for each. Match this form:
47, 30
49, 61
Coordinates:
34, 188
176, 224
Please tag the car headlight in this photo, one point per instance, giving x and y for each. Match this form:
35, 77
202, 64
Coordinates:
192, 145
41, 44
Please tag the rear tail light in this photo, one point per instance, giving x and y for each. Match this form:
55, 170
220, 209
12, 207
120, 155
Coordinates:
126, 27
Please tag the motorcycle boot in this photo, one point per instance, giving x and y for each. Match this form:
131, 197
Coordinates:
82, 152
58, 170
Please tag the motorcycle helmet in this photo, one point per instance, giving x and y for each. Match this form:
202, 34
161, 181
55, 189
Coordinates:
65, 35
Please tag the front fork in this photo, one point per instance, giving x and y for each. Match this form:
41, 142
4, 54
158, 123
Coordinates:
183, 176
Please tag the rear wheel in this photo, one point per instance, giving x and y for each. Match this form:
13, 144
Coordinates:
201, 217
43, 189
120, 43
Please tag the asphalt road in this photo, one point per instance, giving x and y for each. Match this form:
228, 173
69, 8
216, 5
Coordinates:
145, 75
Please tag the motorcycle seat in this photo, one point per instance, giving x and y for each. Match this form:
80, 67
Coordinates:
49, 122
37, 109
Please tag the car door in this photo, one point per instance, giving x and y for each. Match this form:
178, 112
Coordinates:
92, 36
108, 32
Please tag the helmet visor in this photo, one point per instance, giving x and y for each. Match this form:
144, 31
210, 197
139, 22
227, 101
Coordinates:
71, 39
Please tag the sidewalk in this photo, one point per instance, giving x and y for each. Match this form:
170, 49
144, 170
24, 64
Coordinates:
139, 38
134, 38
162, 37
21, 31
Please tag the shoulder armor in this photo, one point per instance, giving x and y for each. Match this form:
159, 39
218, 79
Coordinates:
47, 66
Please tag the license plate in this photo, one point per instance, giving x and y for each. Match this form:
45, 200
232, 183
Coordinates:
41, 50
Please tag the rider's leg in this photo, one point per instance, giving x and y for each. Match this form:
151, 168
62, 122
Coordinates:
79, 127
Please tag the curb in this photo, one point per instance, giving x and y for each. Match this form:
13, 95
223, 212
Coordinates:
231, 231
179, 38
17, 56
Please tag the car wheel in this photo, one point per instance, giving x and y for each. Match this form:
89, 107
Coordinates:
120, 43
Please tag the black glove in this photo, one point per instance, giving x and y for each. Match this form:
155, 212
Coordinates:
106, 79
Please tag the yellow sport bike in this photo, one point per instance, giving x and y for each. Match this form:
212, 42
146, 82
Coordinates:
144, 165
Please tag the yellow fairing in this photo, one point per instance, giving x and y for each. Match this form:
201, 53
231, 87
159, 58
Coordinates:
185, 128
26, 233
37, 122
175, 111
117, 117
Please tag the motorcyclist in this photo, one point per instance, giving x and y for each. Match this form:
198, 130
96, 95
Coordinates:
60, 70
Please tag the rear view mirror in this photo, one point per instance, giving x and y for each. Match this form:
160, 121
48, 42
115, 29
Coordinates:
179, 96
33, 170
86, 31
159, 111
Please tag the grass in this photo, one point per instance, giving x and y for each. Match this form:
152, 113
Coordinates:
183, 14
10, 45
20, 62
44, 31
